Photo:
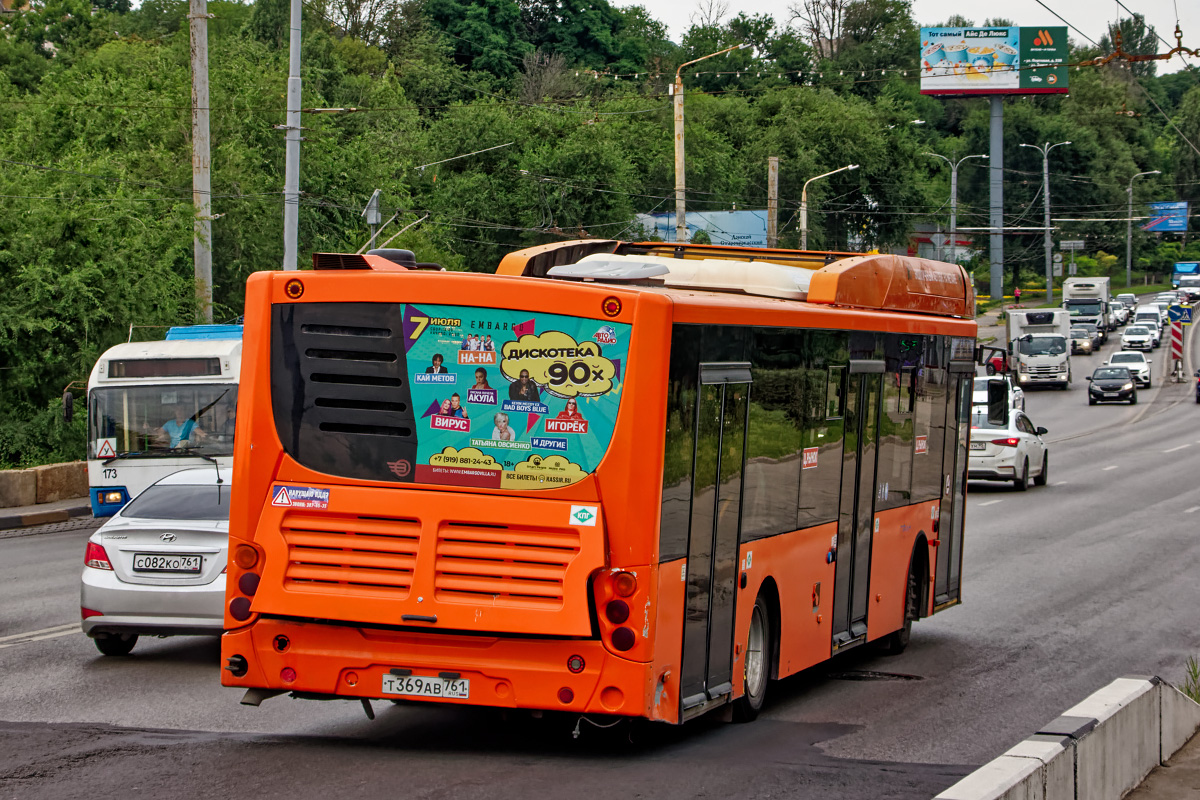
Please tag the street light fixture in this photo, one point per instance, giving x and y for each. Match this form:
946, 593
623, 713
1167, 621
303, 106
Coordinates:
677, 89
953, 202
1045, 151
1129, 228
804, 203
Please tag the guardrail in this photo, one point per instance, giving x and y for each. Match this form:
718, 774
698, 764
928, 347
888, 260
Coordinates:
1100, 749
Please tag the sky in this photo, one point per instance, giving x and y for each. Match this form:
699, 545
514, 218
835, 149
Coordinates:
1090, 16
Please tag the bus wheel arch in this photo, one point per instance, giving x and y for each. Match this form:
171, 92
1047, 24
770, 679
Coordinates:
916, 598
760, 653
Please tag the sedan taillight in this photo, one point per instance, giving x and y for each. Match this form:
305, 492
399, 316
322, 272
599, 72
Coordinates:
1011, 441
95, 557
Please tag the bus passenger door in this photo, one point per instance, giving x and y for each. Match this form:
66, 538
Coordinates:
712, 569
948, 573
856, 512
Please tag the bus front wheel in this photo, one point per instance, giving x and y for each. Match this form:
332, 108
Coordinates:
756, 663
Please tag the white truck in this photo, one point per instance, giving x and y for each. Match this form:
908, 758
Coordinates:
1088, 300
1039, 346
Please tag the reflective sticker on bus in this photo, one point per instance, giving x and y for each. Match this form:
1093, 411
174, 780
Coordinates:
300, 497
106, 448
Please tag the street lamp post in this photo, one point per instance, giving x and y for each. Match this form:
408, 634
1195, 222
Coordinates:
954, 200
1129, 228
1045, 151
680, 182
804, 203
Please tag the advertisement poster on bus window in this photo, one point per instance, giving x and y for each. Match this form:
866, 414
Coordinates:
998, 60
510, 399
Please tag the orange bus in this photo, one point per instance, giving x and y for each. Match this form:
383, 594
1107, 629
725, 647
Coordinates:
620, 479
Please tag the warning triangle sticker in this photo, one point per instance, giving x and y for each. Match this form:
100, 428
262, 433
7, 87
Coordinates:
106, 449
281, 497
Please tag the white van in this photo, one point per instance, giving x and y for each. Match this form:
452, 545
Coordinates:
1148, 315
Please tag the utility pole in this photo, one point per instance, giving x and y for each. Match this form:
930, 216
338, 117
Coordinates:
1045, 151
996, 199
804, 202
681, 231
954, 201
291, 172
1129, 229
201, 159
773, 201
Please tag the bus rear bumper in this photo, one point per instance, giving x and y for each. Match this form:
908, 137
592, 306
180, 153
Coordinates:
324, 660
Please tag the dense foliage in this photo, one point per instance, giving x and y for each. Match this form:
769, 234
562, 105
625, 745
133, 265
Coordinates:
95, 137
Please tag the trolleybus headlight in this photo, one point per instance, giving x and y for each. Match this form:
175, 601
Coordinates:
623, 639
624, 584
617, 611
112, 497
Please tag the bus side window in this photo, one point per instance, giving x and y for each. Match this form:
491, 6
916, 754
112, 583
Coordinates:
824, 402
679, 442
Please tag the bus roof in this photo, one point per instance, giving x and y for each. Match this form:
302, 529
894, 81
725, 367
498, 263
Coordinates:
873, 282
184, 332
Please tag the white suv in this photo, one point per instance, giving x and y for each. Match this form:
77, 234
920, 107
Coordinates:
1136, 363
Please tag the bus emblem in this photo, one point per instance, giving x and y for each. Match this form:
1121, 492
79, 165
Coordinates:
400, 468
583, 515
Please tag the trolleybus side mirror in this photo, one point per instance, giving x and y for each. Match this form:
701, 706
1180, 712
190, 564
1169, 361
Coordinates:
998, 403
68, 406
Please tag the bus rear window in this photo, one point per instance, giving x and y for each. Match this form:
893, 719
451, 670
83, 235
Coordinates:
451, 395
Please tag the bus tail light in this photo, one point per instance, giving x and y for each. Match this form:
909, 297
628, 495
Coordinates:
623, 610
246, 560
96, 558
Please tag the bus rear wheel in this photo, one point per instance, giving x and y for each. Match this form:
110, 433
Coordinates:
756, 659
896, 642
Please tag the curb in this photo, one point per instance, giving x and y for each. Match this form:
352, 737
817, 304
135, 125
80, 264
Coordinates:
43, 517
1100, 749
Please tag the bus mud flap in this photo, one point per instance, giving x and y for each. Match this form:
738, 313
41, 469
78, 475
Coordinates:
254, 697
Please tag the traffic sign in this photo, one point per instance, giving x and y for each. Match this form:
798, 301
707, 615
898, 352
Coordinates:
1057, 258
938, 239
1071, 244
1180, 314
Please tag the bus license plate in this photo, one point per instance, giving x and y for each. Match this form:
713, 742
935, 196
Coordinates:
153, 562
425, 686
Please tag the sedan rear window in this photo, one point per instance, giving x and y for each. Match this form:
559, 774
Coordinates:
1137, 331
180, 502
1128, 358
979, 419
1111, 374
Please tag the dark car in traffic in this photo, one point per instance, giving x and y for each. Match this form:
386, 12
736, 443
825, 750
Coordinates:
1112, 385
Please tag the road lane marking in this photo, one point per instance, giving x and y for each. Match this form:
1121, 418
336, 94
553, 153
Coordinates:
1106, 469
1060, 483
55, 629
1180, 447
1191, 510
38, 636
988, 503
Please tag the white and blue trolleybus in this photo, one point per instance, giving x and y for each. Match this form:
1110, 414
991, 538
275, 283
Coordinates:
157, 407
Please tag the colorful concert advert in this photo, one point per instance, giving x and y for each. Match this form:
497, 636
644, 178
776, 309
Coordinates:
511, 399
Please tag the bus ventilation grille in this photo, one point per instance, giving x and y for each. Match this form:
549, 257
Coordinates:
359, 556
509, 567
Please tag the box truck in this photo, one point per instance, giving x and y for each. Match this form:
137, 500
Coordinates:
1088, 300
1040, 347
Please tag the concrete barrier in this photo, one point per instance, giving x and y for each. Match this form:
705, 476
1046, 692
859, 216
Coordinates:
18, 487
1101, 748
1122, 748
61, 481
1180, 720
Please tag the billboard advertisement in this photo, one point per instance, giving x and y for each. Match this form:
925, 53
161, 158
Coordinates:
965, 61
737, 228
1167, 218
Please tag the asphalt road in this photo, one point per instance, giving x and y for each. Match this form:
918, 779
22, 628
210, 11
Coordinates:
1066, 587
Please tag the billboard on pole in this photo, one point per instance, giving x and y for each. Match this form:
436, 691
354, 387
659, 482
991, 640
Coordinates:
1167, 218
964, 61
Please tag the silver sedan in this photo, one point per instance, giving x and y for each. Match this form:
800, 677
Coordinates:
157, 568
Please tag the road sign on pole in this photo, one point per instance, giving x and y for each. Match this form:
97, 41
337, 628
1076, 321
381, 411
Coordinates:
1070, 244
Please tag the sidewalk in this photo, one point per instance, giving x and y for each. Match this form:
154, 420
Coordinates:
1178, 778
44, 513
